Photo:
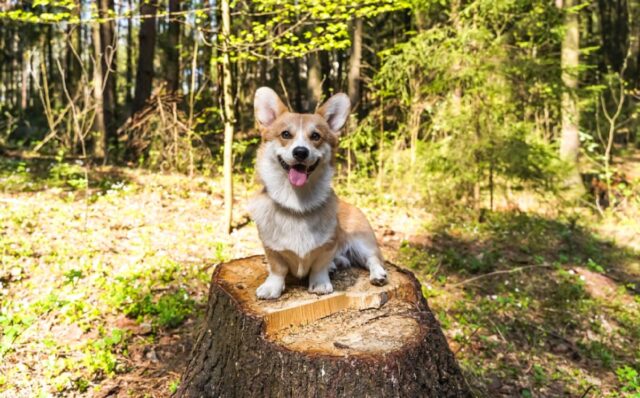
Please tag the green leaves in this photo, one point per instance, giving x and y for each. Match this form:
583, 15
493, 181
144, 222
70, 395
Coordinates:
459, 96
294, 29
43, 11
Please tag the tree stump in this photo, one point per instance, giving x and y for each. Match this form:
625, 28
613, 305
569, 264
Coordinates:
360, 341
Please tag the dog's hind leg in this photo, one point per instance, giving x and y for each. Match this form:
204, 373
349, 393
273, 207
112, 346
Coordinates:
341, 261
363, 250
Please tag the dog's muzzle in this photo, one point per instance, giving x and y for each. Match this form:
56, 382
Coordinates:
299, 166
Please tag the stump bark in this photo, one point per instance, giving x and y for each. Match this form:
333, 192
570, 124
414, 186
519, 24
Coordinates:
360, 341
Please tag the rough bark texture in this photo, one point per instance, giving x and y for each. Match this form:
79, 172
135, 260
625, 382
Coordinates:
146, 45
109, 68
570, 60
570, 144
354, 64
173, 52
100, 132
246, 350
229, 117
129, 50
314, 82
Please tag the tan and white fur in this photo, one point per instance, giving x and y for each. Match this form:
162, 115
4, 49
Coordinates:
305, 229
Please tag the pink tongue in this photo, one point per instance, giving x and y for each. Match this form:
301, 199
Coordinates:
297, 178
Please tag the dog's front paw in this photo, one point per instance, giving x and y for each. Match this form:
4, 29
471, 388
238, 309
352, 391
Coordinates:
322, 287
271, 289
378, 276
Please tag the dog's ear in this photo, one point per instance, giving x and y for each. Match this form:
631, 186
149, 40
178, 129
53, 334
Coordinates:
267, 106
336, 111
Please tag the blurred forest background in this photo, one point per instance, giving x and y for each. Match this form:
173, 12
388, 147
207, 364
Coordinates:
493, 143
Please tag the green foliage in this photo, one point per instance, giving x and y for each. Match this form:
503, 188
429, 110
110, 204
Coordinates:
173, 386
465, 108
43, 11
630, 381
169, 311
100, 355
293, 29
21, 175
133, 294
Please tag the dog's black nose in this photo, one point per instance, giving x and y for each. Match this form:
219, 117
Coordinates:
300, 153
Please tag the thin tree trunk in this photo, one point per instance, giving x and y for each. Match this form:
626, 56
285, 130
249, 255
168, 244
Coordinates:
173, 51
3, 84
52, 68
73, 67
416, 109
633, 68
108, 67
294, 67
129, 72
314, 81
100, 134
146, 45
326, 68
15, 68
340, 61
26, 69
354, 65
229, 117
569, 139
213, 64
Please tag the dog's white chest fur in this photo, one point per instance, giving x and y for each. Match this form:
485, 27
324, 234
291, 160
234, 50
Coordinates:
281, 229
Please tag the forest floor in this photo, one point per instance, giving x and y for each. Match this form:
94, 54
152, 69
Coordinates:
102, 287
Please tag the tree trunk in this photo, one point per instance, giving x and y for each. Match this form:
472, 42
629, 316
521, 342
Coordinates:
109, 67
634, 72
146, 46
73, 73
52, 69
314, 81
229, 117
129, 72
326, 67
213, 64
297, 80
569, 139
14, 68
173, 51
26, 70
100, 133
360, 341
354, 65
614, 30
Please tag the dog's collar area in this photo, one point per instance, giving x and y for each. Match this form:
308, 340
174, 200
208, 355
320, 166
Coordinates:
299, 167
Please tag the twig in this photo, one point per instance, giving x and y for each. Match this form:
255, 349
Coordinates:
587, 391
466, 341
286, 93
505, 271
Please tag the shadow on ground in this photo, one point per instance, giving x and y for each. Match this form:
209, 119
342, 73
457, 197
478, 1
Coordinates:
19, 174
533, 306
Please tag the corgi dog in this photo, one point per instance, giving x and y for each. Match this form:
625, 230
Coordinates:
304, 228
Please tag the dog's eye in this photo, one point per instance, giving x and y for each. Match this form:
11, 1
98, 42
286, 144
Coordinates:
286, 135
315, 136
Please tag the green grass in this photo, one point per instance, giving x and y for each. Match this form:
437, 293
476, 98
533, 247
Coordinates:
523, 313
91, 283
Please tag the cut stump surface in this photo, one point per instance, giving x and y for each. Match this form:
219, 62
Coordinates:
359, 341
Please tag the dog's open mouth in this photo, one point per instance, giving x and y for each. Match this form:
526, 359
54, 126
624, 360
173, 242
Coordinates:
298, 173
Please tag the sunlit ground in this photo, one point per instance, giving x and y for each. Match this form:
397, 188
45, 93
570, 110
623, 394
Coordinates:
102, 288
